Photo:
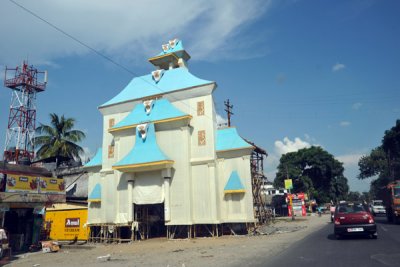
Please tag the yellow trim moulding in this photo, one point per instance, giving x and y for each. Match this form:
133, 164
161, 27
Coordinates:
234, 191
149, 164
165, 55
94, 200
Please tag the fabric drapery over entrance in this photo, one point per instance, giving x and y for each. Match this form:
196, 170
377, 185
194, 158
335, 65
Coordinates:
148, 188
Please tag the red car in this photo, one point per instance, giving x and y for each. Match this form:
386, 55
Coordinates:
354, 219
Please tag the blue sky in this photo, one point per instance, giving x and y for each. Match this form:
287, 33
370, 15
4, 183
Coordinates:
298, 73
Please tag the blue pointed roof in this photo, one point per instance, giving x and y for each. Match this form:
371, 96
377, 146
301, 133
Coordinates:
234, 185
145, 86
162, 110
178, 49
95, 195
229, 139
96, 160
144, 153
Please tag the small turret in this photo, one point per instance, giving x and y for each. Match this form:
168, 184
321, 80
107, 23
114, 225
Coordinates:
172, 56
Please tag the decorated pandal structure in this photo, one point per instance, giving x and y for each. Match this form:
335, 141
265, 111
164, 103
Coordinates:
164, 168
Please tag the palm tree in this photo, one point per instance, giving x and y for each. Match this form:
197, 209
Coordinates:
59, 139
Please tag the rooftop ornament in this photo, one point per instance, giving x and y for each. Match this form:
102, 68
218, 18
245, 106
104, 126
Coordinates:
148, 105
157, 74
142, 128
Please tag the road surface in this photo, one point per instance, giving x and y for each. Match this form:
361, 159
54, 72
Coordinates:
322, 249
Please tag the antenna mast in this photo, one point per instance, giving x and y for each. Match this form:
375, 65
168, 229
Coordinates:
25, 83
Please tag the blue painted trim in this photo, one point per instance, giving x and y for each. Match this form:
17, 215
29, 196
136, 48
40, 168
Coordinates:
229, 139
96, 160
145, 86
144, 151
162, 109
95, 195
178, 47
234, 183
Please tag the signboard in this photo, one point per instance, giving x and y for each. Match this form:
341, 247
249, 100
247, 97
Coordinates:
297, 204
18, 183
34, 184
288, 184
51, 185
72, 222
68, 224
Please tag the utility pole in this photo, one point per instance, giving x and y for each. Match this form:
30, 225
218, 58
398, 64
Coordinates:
228, 109
291, 196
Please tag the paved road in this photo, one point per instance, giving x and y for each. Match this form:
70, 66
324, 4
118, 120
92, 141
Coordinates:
322, 249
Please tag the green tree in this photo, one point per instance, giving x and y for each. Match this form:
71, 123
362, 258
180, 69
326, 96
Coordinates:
383, 162
313, 171
58, 139
365, 197
354, 196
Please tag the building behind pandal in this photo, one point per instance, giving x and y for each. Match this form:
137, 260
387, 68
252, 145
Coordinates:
25, 192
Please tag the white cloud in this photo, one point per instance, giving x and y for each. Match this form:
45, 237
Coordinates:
221, 121
283, 147
290, 146
357, 106
125, 29
349, 159
345, 123
351, 171
338, 66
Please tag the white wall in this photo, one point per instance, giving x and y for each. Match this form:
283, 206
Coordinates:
237, 207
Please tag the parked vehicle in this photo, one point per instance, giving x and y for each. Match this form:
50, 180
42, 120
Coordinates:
392, 201
354, 219
377, 207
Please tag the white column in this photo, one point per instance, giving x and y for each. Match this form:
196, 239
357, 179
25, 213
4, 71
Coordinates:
167, 183
130, 180
214, 191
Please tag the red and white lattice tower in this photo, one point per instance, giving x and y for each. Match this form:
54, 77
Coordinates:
25, 82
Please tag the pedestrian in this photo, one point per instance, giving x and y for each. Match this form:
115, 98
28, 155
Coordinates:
319, 211
3, 241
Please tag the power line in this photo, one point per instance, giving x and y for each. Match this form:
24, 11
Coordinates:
73, 38
98, 53
89, 47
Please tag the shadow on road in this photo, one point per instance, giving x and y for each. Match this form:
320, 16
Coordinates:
383, 220
349, 237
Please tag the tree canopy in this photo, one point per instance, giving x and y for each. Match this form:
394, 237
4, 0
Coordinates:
313, 171
58, 139
384, 161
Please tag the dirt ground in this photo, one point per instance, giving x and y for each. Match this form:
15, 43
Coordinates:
220, 251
